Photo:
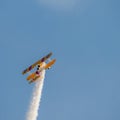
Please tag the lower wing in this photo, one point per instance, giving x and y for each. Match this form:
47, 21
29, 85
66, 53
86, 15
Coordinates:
48, 65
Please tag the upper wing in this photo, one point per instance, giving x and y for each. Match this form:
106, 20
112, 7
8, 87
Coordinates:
36, 63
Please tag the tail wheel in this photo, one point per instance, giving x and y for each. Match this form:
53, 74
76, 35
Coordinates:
48, 68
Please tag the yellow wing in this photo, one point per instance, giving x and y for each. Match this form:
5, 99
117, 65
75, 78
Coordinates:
33, 77
49, 64
33, 80
36, 63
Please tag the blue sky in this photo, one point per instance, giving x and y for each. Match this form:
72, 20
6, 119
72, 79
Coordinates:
84, 37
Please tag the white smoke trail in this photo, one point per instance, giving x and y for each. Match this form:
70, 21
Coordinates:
32, 113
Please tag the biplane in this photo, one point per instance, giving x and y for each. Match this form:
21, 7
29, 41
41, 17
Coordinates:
41, 65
